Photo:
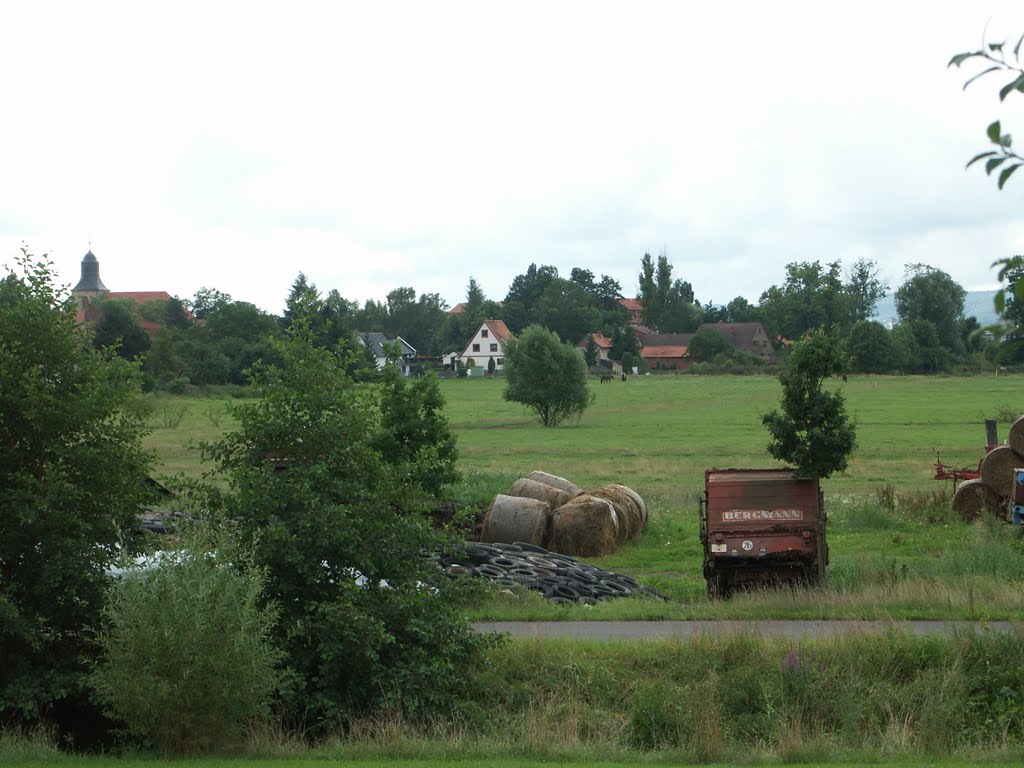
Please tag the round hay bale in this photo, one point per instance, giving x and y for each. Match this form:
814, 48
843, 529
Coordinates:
585, 527
997, 469
556, 482
531, 489
973, 498
639, 501
626, 510
1016, 439
513, 518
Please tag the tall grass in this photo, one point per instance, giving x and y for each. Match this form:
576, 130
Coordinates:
738, 698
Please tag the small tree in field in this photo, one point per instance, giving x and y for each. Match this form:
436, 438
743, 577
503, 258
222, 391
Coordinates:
812, 432
547, 376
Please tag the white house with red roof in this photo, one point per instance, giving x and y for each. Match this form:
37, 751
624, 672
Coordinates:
486, 344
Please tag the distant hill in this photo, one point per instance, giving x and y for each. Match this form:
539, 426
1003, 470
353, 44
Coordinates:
977, 303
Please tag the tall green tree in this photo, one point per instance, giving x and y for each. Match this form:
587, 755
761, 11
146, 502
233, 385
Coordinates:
546, 375
869, 346
930, 294
206, 300
668, 304
812, 296
568, 309
330, 510
71, 466
864, 289
812, 431
524, 295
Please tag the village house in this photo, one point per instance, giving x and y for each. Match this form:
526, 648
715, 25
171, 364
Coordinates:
488, 343
747, 337
604, 349
635, 309
662, 351
379, 344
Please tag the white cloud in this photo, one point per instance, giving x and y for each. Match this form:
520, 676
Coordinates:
386, 144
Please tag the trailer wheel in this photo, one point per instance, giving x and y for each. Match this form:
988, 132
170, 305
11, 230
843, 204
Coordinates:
719, 586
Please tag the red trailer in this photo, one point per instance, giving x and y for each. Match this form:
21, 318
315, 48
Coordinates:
761, 526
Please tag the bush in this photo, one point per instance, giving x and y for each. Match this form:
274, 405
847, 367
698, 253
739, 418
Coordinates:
186, 661
71, 463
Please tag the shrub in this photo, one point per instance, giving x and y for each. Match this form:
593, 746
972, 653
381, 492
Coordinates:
186, 660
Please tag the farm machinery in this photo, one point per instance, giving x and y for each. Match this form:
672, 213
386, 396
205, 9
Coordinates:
995, 486
761, 526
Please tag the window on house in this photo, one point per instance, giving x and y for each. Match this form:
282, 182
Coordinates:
483, 333
476, 347
500, 361
494, 347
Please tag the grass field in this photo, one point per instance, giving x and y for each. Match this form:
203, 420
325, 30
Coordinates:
896, 549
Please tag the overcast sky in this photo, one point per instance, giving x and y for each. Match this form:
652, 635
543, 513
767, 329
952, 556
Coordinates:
374, 145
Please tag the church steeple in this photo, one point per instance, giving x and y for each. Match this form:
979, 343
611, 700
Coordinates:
90, 282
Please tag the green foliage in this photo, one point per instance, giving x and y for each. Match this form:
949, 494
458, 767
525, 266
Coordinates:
591, 353
931, 294
71, 466
707, 344
186, 661
547, 376
869, 346
118, 329
328, 517
994, 58
414, 436
812, 432
1009, 304
668, 305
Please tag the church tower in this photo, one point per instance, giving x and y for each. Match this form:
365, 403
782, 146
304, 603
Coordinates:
90, 284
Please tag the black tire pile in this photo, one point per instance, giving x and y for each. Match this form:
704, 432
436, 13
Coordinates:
559, 578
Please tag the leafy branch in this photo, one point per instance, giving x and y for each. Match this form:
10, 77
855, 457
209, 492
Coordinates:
1003, 158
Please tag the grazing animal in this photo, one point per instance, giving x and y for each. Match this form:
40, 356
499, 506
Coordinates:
606, 377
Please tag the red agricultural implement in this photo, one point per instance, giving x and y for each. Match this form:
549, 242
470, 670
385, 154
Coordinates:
958, 474
761, 526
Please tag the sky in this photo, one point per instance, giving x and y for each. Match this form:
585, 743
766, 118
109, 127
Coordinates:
377, 145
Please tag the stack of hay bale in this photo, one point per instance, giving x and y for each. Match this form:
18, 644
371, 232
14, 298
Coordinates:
551, 512
991, 492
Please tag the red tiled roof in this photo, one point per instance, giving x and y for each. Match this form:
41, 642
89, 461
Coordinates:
600, 340
498, 329
664, 352
140, 295
633, 305
458, 309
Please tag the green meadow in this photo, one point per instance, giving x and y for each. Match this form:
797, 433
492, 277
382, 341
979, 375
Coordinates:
896, 549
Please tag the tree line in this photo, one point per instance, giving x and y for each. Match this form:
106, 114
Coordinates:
932, 333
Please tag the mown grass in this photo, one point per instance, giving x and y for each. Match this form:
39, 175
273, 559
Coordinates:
897, 551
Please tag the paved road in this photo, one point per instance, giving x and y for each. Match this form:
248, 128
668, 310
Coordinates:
638, 630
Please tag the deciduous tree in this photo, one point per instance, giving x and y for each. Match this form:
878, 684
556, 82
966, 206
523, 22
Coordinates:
71, 471
546, 375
